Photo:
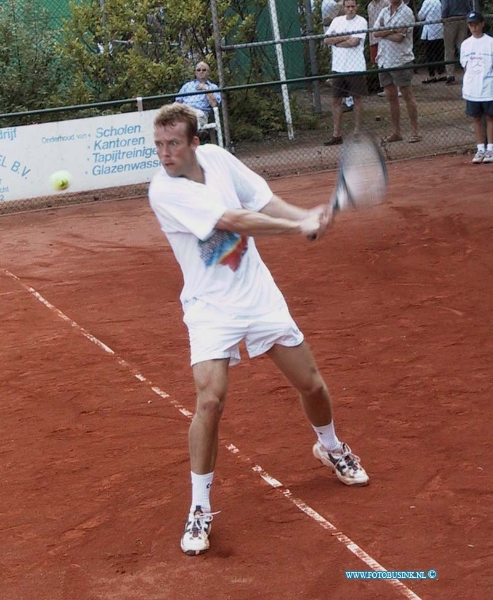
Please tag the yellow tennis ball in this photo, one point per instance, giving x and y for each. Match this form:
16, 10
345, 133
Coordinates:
61, 180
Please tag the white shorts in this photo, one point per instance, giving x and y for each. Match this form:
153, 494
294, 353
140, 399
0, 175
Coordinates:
214, 334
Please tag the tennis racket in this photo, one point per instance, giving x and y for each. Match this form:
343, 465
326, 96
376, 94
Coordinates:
362, 179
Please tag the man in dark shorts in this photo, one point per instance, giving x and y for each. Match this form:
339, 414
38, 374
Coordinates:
348, 63
395, 49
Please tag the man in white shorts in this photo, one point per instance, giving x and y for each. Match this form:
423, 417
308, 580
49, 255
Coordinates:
209, 205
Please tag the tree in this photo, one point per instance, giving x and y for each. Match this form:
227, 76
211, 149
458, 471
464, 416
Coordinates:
31, 74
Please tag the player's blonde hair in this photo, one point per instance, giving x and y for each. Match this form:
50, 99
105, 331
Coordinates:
178, 113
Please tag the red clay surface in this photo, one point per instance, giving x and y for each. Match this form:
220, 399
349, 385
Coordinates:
396, 304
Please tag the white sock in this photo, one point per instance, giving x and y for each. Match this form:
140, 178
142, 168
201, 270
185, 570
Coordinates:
327, 437
201, 491
489, 147
481, 147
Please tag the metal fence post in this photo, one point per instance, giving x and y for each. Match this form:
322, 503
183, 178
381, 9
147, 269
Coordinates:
220, 71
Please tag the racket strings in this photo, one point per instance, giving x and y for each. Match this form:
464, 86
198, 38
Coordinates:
363, 175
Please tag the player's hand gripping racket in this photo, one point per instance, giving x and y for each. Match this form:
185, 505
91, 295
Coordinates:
362, 178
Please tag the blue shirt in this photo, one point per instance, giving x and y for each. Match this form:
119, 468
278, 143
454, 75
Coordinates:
199, 101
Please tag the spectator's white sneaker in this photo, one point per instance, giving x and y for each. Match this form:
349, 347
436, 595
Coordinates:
488, 156
344, 463
195, 538
479, 157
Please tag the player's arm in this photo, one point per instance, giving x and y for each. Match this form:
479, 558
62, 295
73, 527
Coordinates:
246, 222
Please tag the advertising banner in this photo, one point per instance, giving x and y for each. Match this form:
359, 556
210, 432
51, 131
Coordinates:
77, 156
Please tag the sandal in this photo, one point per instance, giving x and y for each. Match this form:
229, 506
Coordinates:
392, 138
415, 138
335, 140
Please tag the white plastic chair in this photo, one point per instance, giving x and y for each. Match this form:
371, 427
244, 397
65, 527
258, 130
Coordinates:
215, 127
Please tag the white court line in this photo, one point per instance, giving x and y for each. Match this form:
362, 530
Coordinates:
302, 506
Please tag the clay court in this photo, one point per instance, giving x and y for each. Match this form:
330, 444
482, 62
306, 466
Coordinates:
396, 303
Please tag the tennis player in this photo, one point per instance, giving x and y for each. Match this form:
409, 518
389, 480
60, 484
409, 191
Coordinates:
210, 205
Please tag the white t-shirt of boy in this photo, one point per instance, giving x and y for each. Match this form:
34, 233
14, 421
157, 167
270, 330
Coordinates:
220, 268
345, 60
476, 57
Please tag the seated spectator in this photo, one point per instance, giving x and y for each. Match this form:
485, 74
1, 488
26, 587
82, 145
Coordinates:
201, 103
432, 34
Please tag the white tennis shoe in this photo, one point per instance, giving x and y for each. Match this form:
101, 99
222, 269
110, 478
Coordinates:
479, 157
195, 538
488, 156
344, 463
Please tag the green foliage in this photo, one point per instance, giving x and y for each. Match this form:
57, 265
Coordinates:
112, 50
31, 75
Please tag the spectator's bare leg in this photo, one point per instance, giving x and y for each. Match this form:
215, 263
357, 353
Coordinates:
337, 116
358, 113
479, 131
412, 108
489, 129
395, 111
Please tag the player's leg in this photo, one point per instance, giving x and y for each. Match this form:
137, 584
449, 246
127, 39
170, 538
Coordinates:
211, 382
214, 340
298, 366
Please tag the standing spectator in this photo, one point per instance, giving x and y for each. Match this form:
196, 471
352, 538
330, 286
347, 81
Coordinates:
476, 57
347, 56
395, 49
331, 9
432, 35
201, 103
454, 31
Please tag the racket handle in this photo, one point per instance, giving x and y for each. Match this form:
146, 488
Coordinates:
334, 208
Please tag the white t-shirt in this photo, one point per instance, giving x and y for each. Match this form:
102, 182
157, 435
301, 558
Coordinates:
221, 268
476, 56
345, 60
